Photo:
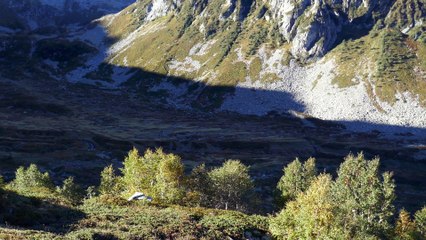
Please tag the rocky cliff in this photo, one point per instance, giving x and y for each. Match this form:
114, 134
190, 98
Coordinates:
313, 27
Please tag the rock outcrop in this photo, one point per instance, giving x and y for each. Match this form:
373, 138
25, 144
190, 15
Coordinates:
313, 26
160, 8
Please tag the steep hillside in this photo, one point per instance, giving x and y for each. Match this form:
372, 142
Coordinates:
373, 69
34, 14
349, 60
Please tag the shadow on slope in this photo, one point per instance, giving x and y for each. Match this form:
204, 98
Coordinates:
187, 94
401, 148
193, 97
174, 91
36, 214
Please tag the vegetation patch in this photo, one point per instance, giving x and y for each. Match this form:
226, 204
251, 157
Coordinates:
396, 60
356, 204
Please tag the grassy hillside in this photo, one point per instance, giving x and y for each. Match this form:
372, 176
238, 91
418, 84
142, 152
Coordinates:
212, 45
387, 61
96, 219
222, 44
218, 49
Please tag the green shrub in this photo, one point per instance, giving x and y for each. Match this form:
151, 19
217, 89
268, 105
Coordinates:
233, 225
257, 39
90, 234
71, 191
31, 180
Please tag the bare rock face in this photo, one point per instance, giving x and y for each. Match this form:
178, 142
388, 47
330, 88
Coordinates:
160, 8
286, 12
313, 25
316, 32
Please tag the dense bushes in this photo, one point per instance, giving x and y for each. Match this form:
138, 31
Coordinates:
356, 204
156, 174
161, 176
138, 221
27, 179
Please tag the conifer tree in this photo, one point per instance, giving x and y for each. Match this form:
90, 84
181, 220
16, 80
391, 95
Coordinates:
31, 179
71, 191
199, 186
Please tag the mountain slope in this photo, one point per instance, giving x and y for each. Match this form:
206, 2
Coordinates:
346, 60
33, 14
275, 46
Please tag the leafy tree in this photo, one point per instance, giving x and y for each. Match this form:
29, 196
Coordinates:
71, 191
405, 228
310, 215
199, 184
364, 198
296, 178
357, 205
31, 179
139, 172
109, 181
231, 185
168, 185
136, 174
156, 174
420, 219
